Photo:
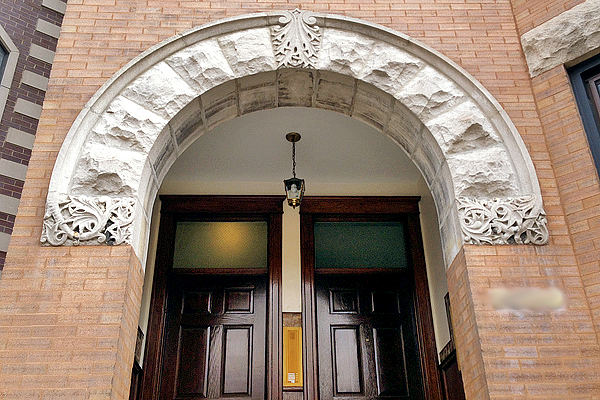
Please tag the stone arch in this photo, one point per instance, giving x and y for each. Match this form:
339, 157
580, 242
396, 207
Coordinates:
118, 150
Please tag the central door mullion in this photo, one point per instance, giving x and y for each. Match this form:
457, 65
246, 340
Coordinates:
311, 379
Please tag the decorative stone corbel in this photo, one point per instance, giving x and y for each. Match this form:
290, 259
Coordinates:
519, 220
297, 40
88, 220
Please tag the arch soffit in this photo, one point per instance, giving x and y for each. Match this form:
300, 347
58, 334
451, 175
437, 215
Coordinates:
128, 135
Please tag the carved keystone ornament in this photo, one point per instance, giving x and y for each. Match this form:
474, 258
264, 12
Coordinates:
297, 40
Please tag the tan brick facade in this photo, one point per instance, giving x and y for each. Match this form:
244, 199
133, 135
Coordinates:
529, 14
576, 176
68, 315
69, 323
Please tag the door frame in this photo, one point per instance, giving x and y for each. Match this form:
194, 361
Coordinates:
403, 208
176, 208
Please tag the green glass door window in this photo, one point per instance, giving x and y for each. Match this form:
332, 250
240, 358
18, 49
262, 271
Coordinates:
360, 245
216, 244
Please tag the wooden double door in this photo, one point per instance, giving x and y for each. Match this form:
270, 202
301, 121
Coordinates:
216, 337
217, 334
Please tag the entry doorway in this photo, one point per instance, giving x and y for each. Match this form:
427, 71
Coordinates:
215, 332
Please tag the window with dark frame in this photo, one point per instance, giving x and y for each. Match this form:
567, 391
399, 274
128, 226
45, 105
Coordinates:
593, 87
3, 59
585, 80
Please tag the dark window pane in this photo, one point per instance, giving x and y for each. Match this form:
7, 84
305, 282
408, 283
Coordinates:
3, 58
360, 245
593, 92
585, 79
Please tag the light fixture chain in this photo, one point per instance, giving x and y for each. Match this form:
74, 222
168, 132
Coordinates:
294, 159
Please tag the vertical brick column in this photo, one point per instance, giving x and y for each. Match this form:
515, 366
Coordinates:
523, 354
68, 321
466, 335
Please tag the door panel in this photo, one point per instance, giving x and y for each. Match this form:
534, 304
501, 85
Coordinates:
192, 362
347, 365
215, 338
367, 342
237, 360
389, 362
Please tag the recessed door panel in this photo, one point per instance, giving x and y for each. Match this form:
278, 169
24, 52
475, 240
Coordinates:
238, 300
343, 301
197, 302
347, 363
193, 361
236, 368
385, 302
389, 362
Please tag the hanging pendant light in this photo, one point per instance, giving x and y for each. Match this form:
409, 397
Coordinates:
294, 187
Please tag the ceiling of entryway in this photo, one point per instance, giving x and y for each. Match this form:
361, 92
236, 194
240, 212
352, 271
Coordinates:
334, 149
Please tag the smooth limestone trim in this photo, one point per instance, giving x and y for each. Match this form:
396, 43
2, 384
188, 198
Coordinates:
55, 5
9, 69
34, 80
41, 53
4, 241
28, 108
9, 205
48, 28
12, 169
20, 138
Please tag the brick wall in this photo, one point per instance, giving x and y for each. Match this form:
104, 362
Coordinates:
576, 176
68, 323
20, 19
532, 355
503, 354
532, 13
466, 332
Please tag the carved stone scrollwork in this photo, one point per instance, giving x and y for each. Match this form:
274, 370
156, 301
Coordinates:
297, 40
88, 220
518, 220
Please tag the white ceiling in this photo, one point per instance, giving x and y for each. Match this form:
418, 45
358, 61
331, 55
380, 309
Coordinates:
252, 149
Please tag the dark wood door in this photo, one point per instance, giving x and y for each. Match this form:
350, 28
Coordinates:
367, 340
215, 338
